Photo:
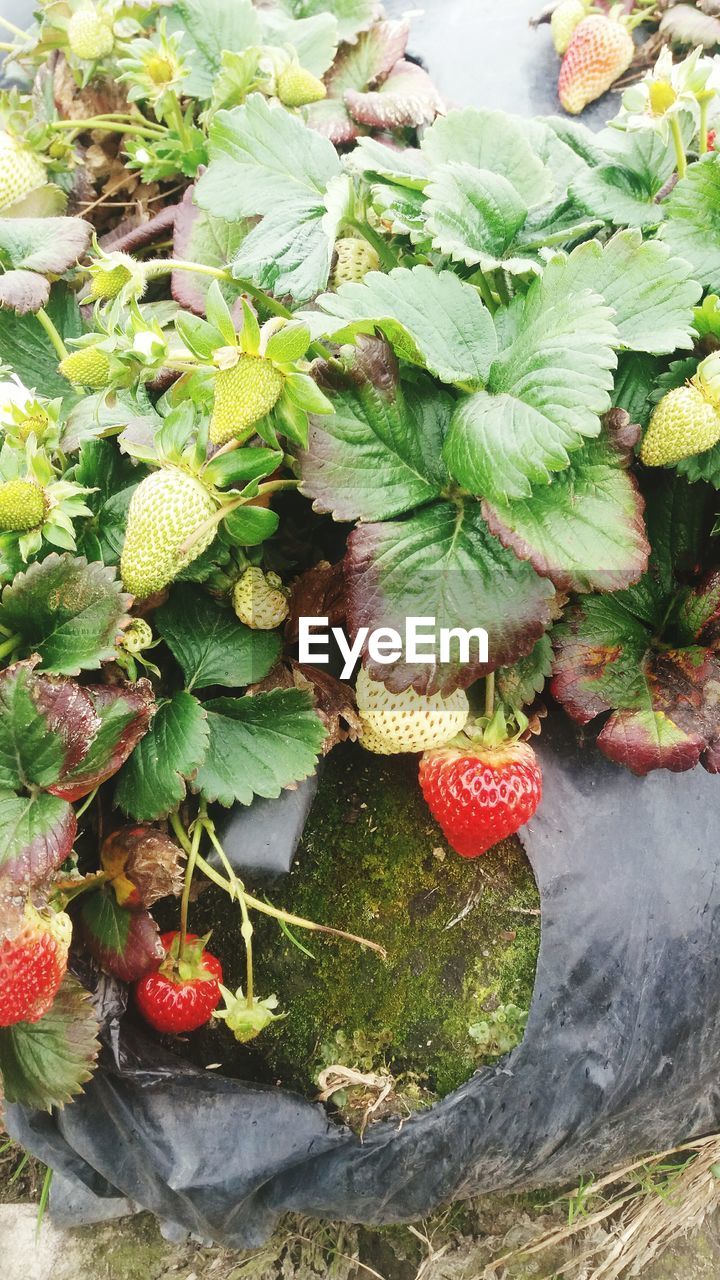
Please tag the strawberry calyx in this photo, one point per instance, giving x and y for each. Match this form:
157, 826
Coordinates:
247, 1017
490, 733
188, 964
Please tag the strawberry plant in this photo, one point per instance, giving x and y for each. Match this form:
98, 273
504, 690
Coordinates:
485, 348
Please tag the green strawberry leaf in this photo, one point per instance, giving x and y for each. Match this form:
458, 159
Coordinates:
67, 610
473, 214
431, 318
520, 684
491, 141
152, 783
45, 1064
628, 169
652, 294
261, 158
43, 244
38, 834
200, 237
258, 745
314, 36
443, 563
290, 250
634, 381
209, 27
585, 531
114, 478
379, 454
34, 740
211, 644
692, 227
27, 349
352, 16
124, 943
544, 394
122, 714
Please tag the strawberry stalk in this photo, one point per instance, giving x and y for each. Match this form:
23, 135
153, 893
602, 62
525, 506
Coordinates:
679, 146
490, 695
381, 247
52, 333
704, 109
9, 646
192, 856
246, 929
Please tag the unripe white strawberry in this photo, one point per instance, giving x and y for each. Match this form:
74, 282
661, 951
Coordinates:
260, 600
683, 423
407, 721
297, 87
564, 19
90, 34
353, 259
167, 509
20, 171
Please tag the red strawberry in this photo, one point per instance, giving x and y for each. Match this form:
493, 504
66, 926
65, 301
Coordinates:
480, 794
600, 51
33, 960
182, 993
712, 133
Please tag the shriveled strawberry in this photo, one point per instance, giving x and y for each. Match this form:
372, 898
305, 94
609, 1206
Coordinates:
600, 51
260, 600
481, 794
407, 721
182, 994
33, 960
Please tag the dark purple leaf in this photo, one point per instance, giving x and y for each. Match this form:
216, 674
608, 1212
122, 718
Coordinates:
408, 98
125, 943
122, 715
38, 833
23, 291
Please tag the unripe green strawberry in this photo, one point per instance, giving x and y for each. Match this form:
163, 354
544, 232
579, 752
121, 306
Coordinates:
563, 21
407, 721
107, 284
297, 87
243, 395
33, 426
90, 34
601, 50
260, 600
138, 636
87, 367
354, 258
22, 505
20, 171
684, 423
167, 508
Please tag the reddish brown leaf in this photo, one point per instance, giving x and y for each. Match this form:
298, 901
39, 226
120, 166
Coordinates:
318, 593
123, 714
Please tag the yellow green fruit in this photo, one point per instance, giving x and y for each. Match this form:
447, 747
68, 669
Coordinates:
138, 636
20, 171
166, 509
353, 260
259, 600
107, 284
684, 423
90, 34
563, 21
22, 505
243, 395
297, 87
88, 367
407, 721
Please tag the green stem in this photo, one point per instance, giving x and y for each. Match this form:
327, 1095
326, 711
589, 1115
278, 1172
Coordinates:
485, 292
679, 146
246, 927
10, 26
192, 860
86, 803
8, 48
180, 832
266, 909
490, 695
9, 646
177, 122
381, 247
52, 333
109, 126
704, 109
501, 287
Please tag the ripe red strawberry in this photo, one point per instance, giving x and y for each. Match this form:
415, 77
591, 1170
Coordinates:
33, 960
182, 993
600, 51
480, 794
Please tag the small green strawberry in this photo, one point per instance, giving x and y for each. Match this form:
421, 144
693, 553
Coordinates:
260, 600
407, 721
22, 505
20, 171
138, 636
244, 394
166, 510
297, 87
564, 19
353, 260
108, 284
90, 34
86, 367
687, 419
